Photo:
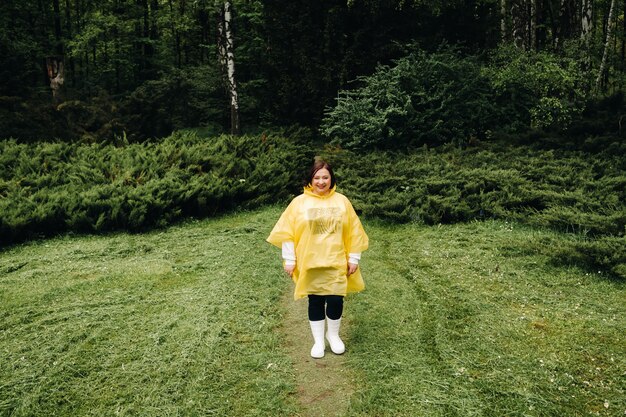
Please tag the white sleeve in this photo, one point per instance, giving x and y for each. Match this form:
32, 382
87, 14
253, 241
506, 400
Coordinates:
354, 258
289, 253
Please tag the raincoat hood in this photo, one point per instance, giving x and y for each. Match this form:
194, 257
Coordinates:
308, 190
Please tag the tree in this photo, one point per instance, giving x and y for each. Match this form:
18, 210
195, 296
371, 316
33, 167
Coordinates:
56, 73
519, 20
586, 21
227, 58
607, 45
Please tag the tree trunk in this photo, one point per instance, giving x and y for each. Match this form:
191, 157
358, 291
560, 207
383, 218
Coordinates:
221, 41
541, 25
203, 20
117, 53
147, 46
563, 19
68, 25
586, 23
154, 28
227, 59
176, 35
503, 33
554, 29
182, 40
139, 43
586, 32
54, 64
82, 74
519, 23
557, 37
607, 45
56, 75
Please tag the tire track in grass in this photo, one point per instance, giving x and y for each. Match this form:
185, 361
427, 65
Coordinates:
324, 386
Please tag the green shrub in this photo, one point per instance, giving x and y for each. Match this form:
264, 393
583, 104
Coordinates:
32, 119
49, 188
444, 97
536, 89
607, 253
424, 99
569, 191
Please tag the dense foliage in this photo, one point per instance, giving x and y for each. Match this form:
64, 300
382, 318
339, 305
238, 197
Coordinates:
154, 56
53, 187
445, 97
424, 99
578, 191
536, 89
150, 67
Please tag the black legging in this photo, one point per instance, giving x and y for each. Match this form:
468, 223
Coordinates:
334, 307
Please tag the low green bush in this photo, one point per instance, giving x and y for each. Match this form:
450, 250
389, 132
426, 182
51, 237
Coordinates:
607, 253
49, 188
570, 191
445, 97
423, 99
536, 89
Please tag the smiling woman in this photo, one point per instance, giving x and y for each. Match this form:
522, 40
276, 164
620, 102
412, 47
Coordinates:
321, 238
321, 178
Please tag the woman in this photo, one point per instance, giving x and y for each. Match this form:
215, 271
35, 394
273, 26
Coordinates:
321, 239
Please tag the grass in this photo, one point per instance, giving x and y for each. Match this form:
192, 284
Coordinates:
170, 323
474, 319
478, 319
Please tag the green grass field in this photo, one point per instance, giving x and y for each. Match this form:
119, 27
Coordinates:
474, 319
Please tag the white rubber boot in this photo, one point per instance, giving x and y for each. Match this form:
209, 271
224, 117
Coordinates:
336, 344
317, 328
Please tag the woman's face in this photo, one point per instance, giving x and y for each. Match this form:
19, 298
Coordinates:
321, 182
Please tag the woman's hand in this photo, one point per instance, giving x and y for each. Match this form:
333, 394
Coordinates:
289, 269
352, 268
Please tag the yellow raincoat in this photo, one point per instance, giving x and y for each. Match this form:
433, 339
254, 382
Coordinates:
324, 229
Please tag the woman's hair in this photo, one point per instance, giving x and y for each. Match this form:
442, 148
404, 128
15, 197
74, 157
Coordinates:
317, 165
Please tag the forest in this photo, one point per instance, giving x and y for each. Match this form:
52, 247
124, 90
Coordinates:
141, 69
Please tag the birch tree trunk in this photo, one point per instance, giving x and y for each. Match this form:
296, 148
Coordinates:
607, 45
227, 59
586, 23
586, 32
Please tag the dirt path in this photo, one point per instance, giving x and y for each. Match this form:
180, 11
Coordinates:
324, 385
